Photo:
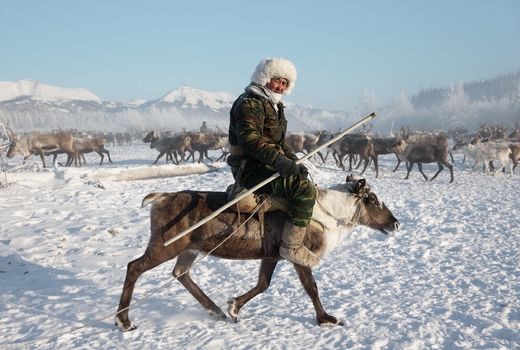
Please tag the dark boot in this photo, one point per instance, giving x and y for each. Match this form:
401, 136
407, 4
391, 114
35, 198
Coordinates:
292, 247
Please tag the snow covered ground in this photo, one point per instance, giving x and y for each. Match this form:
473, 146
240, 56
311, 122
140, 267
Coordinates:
448, 279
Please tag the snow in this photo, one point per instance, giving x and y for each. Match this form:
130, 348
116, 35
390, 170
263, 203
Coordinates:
43, 92
447, 279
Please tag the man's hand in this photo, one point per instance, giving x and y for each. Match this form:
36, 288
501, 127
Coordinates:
303, 170
285, 166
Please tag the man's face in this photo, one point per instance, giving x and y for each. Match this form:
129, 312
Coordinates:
277, 85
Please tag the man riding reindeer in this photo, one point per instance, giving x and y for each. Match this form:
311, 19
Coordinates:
257, 131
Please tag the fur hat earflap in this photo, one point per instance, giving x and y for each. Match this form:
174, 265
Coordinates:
270, 68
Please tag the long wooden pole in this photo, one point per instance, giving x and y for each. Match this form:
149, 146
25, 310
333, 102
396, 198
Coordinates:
266, 181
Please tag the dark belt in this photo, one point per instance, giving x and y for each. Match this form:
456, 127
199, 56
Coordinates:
236, 151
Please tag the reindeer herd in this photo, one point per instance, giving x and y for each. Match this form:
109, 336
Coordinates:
488, 146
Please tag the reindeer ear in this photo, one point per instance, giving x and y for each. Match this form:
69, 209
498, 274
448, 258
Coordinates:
351, 178
360, 186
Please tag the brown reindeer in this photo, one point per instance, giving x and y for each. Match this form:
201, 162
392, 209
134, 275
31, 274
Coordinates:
515, 134
202, 143
171, 145
382, 145
426, 139
84, 145
354, 146
338, 210
295, 142
306, 143
420, 154
38, 143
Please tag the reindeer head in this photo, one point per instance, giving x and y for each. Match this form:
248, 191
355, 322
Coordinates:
374, 213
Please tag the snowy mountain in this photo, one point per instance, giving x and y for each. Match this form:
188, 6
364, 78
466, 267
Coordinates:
186, 97
40, 91
32, 98
30, 105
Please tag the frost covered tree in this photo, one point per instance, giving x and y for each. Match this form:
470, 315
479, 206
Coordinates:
367, 104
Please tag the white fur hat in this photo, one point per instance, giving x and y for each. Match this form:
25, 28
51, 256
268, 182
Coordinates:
270, 68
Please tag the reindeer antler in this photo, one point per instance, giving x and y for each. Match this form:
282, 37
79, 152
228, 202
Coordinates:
12, 136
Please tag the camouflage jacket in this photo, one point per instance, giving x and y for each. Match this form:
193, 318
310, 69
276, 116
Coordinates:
259, 130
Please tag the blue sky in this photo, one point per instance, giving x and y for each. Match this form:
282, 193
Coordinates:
125, 50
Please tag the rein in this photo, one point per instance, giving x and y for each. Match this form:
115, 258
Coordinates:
338, 219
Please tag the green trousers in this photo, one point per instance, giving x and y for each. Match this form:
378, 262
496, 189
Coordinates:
300, 192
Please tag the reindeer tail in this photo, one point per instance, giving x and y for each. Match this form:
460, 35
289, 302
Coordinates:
151, 198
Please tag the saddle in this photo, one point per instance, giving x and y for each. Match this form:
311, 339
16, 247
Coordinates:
268, 203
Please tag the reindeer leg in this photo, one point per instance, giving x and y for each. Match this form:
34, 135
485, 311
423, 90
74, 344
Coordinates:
182, 272
474, 166
397, 166
310, 286
158, 157
409, 169
207, 155
172, 155
359, 163
451, 171
419, 165
376, 166
182, 155
267, 267
366, 165
134, 269
103, 150
322, 157
42, 156
498, 170
102, 157
441, 167
176, 157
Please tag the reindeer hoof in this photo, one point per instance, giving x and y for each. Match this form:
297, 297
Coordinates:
329, 321
217, 313
124, 326
233, 310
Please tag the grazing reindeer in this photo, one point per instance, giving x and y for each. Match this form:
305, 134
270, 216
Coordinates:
422, 154
36, 142
338, 210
